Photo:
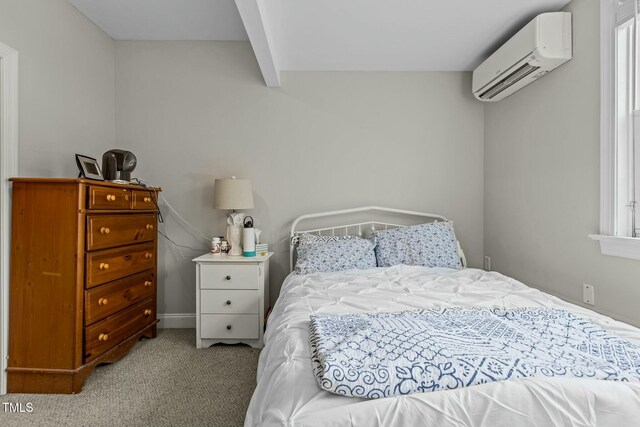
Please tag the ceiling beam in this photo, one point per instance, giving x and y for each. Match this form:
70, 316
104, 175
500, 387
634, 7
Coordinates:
257, 27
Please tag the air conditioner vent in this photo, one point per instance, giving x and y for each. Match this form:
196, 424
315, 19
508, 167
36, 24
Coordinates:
539, 47
513, 78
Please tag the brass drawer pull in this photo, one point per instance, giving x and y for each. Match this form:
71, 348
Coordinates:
147, 200
104, 266
111, 197
148, 255
228, 302
149, 226
105, 230
229, 327
103, 301
103, 337
147, 283
148, 312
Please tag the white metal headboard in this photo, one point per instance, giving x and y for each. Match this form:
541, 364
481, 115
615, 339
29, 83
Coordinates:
358, 227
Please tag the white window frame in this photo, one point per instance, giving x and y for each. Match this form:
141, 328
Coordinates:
611, 243
8, 169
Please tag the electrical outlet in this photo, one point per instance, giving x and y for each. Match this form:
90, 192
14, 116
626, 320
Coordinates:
588, 294
487, 263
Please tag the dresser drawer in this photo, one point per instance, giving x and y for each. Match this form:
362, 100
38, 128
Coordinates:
228, 276
105, 300
108, 198
229, 301
111, 264
143, 200
230, 326
108, 333
108, 231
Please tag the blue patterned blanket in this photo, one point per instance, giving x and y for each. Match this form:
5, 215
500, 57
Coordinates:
388, 354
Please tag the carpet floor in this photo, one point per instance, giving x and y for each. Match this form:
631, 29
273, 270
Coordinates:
161, 382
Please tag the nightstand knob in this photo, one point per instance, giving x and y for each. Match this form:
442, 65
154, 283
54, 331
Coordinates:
148, 255
229, 327
104, 230
103, 301
229, 302
104, 266
103, 337
149, 226
147, 283
228, 277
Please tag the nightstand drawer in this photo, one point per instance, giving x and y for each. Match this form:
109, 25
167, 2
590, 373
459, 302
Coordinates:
228, 276
230, 326
229, 301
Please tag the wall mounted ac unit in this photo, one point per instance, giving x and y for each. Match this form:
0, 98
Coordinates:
541, 46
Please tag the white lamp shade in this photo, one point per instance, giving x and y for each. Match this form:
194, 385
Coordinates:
233, 193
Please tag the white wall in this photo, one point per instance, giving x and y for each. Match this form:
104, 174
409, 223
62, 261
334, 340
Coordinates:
66, 80
542, 171
194, 111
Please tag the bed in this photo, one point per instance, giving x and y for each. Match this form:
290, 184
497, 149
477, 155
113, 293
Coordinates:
287, 392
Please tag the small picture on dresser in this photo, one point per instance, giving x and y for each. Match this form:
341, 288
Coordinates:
88, 167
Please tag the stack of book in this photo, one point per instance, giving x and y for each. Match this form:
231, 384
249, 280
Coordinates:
262, 248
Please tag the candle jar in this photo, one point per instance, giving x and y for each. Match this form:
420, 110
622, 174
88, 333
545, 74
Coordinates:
216, 245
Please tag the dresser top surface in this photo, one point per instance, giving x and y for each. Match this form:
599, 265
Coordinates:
210, 258
82, 181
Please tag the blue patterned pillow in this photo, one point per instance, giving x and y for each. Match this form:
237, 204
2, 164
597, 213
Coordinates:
428, 245
336, 255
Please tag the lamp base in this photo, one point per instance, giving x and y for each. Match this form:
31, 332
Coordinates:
234, 234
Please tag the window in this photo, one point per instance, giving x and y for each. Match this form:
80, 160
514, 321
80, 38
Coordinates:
625, 114
620, 129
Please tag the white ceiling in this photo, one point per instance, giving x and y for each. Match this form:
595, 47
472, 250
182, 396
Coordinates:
441, 35
445, 35
165, 19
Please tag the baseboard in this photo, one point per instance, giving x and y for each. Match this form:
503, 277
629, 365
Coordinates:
177, 320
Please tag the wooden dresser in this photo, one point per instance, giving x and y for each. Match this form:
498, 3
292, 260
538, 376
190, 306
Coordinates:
83, 279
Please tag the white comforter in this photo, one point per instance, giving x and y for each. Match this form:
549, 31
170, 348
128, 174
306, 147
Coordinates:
287, 392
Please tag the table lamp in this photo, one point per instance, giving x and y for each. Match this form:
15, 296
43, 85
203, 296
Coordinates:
233, 194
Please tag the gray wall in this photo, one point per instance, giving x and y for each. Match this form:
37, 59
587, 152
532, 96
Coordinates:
542, 171
194, 111
66, 78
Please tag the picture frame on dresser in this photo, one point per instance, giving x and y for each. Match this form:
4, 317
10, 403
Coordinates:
89, 168
83, 279
232, 297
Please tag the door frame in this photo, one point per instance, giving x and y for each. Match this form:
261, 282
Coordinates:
8, 169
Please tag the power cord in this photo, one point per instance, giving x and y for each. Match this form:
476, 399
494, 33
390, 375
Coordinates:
175, 245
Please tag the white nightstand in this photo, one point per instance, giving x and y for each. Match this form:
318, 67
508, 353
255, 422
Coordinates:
232, 295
